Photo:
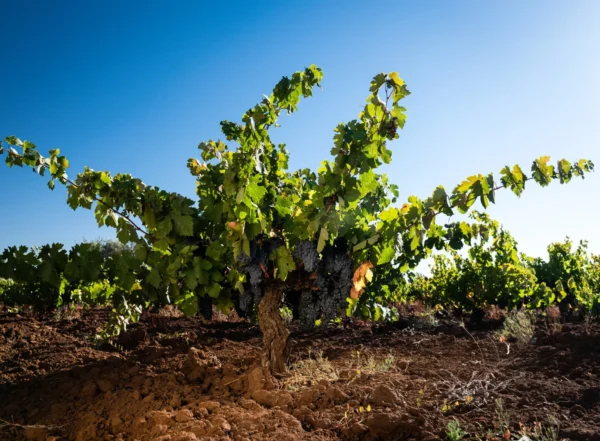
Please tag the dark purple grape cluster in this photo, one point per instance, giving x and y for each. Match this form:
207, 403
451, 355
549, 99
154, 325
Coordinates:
332, 272
260, 250
308, 309
333, 281
306, 252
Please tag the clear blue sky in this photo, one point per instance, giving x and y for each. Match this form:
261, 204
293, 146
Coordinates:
134, 86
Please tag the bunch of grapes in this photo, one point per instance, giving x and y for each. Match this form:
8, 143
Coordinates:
306, 252
330, 274
254, 266
338, 270
308, 309
332, 282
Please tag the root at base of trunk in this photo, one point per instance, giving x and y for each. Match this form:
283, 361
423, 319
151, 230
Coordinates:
275, 334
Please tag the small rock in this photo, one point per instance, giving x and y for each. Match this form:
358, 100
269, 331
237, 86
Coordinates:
209, 405
105, 385
139, 421
259, 379
383, 395
115, 423
292, 423
136, 395
199, 429
249, 404
577, 411
158, 429
222, 423
184, 436
184, 415
89, 389
159, 417
195, 365
272, 398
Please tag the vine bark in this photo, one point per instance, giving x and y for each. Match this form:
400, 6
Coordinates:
275, 334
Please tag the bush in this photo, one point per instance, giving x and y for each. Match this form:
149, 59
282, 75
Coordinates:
519, 326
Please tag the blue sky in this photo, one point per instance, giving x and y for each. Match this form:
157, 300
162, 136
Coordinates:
135, 86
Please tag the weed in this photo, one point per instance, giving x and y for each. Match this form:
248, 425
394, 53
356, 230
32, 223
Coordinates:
455, 432
425, 318
553, 323
286, 315
170, 311
519, 326
477, 389
588, 322
311, 369
369, 363
66, 312
421, 395
539, 432
502, 417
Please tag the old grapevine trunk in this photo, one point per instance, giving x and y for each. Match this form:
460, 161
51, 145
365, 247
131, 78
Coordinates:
275, 334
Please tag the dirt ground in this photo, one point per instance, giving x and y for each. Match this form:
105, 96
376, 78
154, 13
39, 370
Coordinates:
178, 379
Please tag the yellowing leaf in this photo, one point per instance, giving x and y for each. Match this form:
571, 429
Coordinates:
323, 236
359, 280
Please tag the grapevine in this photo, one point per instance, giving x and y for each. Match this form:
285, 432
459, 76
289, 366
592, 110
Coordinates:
259, 234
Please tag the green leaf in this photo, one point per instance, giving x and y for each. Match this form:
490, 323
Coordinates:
188, 304
323, 236
161, 244
13, 140
373, 239
283, 206
240, 195
112, 220
28, 145
255, 192
377, 82
284, 262
385, 256
368, 183
184, 224
396, 79
141, 252
191, 280
154, 278
164, 227
214, 290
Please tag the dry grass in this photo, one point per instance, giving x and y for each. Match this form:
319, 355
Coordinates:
310, 370
370, 364
67, 312
170, 311
479, 389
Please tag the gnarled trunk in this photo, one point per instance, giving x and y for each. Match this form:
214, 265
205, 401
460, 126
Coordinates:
275, 334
